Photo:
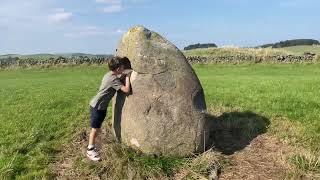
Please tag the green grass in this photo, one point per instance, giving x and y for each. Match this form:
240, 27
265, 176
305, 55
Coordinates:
306, 163
41, 109
278, 90
118, 159
151, 165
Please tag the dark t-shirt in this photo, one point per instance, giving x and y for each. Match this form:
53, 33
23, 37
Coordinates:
109, 85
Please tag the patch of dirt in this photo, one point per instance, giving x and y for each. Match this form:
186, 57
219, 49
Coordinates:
73, 155
264, 158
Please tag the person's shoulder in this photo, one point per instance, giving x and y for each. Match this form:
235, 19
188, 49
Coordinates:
108, 75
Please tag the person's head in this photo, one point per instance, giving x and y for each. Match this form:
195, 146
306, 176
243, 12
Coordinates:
126, 63
115, 65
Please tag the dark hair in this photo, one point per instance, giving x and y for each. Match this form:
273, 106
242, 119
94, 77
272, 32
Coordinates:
117, 62
114, 63
126, 63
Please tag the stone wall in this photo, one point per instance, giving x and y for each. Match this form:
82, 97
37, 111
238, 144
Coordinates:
308, 58
7, 62
256, 59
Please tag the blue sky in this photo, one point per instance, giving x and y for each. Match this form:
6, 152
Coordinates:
95, 26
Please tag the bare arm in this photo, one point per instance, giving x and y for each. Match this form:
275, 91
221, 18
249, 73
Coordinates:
126, 87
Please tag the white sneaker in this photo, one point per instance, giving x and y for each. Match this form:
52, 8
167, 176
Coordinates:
93, 154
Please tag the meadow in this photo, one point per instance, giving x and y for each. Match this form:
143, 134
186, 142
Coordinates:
43, 109
234, 51
300, 50
258, 52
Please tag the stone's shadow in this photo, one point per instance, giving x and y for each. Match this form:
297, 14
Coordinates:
119, 99
118, 102
233, 131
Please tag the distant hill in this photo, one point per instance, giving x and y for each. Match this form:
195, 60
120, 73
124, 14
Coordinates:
289, 43
83, 54
47, 56
300, 50
234, 52
196, 46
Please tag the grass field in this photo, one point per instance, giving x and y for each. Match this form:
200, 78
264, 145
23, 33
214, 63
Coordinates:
300, 50
207, 52
293, 50
41, 109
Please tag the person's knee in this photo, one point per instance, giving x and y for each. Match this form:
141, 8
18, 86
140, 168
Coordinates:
95, 130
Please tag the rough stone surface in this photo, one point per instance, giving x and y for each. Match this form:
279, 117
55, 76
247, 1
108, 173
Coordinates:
164, 114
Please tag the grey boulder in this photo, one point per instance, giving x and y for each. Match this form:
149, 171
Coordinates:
165, 112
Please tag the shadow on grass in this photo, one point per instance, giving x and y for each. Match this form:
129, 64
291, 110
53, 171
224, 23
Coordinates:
233, 131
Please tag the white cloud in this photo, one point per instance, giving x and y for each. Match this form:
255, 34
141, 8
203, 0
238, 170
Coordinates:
93, 28
21, 13
137, 1
60, 15
59, 9
113, 8
109, 1
120, 31
88, 31
93, 31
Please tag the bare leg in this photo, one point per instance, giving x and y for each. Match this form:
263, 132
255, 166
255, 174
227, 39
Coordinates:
91, 151
93, 135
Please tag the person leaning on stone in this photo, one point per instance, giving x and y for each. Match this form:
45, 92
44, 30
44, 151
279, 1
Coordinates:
98, 105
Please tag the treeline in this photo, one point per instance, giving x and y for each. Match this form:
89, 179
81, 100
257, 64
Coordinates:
289, 43
198, 45
25, 62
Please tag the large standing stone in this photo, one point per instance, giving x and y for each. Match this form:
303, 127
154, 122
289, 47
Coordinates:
164, 114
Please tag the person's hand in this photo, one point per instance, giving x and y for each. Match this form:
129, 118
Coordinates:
128, 77
122, 76
127, 71
129, 74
